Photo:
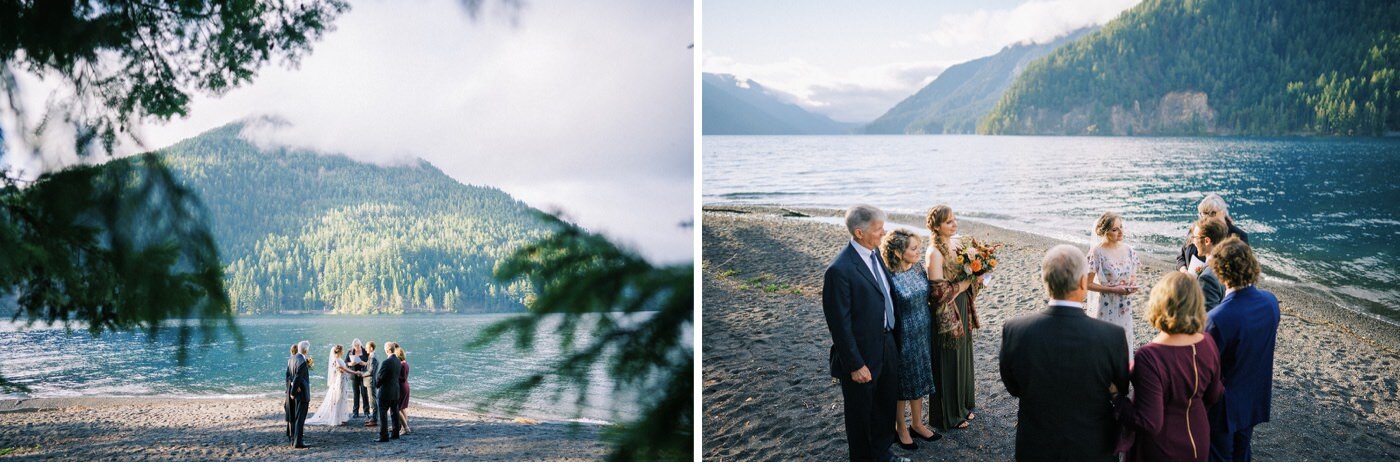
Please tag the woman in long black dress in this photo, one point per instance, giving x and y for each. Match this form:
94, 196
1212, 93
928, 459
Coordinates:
901, 250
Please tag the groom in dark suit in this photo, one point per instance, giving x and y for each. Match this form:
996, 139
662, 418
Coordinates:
1064, 366
387, 381
299, 391
860, 315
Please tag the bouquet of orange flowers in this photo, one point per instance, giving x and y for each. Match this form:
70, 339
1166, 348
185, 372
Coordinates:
977, 258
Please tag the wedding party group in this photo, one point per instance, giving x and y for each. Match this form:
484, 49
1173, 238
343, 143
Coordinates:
355, 381
902, 321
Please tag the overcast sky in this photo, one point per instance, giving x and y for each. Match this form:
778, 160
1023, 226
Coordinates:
584, 106
852, 61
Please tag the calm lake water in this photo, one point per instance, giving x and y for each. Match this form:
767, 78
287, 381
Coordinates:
443, 371
1324, 213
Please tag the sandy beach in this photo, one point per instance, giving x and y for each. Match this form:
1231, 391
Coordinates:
767, 395
152, 429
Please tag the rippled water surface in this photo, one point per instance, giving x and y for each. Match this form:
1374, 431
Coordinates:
1320, 212
443, 370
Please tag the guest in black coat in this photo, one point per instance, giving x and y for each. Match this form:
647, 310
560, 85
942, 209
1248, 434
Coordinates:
287, 399
860, 314
1064, 366
387, 381
299, 390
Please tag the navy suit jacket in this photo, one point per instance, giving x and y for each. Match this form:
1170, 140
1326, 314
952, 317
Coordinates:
854, 305
1245, 328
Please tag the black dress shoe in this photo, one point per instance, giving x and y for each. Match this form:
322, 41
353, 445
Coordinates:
382, 439
935, 437
911, 446
394, 437
299, 445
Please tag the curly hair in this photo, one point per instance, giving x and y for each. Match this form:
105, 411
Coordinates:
1177, 305
1105, 222
1233, 261
893, 246
938, 215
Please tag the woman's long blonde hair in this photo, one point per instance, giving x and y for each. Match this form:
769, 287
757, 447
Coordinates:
938, 215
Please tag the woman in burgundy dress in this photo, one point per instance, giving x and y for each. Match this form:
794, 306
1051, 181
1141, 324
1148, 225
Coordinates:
403, 388
1176, 377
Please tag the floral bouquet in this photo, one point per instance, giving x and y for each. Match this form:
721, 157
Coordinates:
977, 258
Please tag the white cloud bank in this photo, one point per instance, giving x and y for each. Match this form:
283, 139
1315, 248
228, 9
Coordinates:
584, 107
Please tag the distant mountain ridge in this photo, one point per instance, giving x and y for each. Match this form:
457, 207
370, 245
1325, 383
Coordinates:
743, 107
304, 231
964, 93
1218, 67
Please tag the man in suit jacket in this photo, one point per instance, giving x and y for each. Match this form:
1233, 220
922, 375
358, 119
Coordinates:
1209, 233
1245, 329
387, 381
1064, 366
860, 315
299, 391
373, 391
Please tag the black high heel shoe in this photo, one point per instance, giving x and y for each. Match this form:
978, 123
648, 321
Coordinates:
911, 446
935, 437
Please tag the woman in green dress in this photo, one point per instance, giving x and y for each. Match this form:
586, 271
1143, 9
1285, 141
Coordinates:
951, 294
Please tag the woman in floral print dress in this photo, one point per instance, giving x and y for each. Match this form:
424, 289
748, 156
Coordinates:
1113, 267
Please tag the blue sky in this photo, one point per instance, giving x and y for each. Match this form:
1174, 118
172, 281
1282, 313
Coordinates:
854, 60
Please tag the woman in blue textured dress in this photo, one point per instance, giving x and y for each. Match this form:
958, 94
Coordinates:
901, 251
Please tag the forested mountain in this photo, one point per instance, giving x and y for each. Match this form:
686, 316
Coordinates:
734, 107
305, 231
1258, 67
963, 94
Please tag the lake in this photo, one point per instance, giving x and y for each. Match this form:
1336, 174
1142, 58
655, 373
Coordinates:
443, 372
1320, 212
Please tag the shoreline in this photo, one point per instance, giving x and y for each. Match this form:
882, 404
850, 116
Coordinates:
1369, 327
252, 429
767, 394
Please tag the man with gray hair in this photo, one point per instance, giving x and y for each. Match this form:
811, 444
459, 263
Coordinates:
860, 315
1065, 367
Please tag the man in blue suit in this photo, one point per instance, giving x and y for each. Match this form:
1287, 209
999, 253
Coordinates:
1245, 327
860, 315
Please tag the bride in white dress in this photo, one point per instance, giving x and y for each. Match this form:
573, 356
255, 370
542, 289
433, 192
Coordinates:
335, 409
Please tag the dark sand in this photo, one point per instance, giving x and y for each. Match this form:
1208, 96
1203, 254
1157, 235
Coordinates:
152, 429
767, 395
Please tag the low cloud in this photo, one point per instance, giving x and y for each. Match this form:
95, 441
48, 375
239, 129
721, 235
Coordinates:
1033, 21
859, 95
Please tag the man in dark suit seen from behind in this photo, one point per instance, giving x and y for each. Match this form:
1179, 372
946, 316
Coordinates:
299, 391
387, 381
859, 313
1065, 367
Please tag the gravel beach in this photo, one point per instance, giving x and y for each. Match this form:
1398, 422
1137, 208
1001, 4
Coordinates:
767, 395
252, 429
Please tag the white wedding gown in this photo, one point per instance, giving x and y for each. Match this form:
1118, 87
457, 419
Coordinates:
335, 409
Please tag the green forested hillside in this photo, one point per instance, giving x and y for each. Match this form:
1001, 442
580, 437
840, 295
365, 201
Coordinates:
303, 231
964, 93
1256, 67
